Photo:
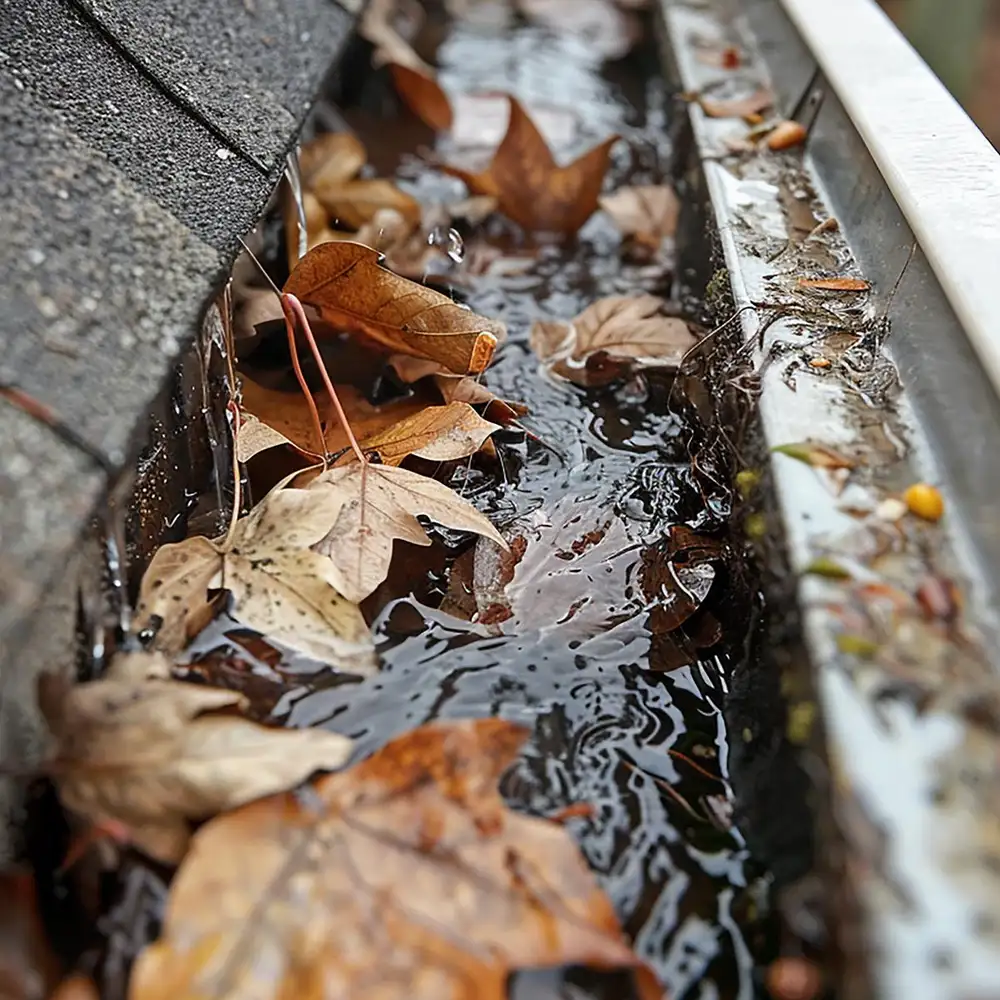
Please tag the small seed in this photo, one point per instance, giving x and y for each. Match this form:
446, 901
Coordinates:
924, 501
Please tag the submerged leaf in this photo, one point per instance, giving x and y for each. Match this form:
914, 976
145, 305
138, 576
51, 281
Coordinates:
149, 754
349, 288
376, 504
405, 877
611, 336
531, 188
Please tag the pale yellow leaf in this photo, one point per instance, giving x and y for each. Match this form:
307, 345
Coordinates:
378, 504
646, 211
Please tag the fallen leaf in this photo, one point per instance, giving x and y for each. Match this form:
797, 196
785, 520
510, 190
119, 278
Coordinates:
609, 337
436, 433
423, 95
349, 288
742, 107
28, 966
648, 212
284, 418
530, 187
818, 455
376, 504
836, 284
357, 202
276, 583
786, 134
152, 755
462, 389
332, 158
173, 595
728, 57
404, 878
607, 30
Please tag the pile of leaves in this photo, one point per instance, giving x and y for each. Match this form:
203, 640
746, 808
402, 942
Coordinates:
402, 875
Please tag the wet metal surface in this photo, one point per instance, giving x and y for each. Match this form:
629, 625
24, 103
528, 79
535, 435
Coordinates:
908, 693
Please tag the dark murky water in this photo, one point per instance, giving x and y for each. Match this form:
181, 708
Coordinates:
614, 655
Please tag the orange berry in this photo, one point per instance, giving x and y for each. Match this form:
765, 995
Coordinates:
924, 501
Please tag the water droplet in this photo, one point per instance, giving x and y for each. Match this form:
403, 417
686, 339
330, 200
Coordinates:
449, 240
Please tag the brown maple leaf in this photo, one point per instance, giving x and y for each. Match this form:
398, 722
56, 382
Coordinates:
530, 187
404, 878
351, 291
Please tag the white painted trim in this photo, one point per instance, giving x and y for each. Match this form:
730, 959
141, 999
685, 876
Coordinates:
942, 171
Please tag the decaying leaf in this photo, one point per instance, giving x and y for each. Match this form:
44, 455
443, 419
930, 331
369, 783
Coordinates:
741, 107
423, 95
530, 187
277, 584
404, 878
818, 455
436, 433
611, 336
156, 755
357, 202
349, 288
648, 213
375, 504
835, 284
462, 389
331, 159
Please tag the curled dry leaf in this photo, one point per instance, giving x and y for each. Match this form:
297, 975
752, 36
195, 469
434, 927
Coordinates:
375, 504
405, 877
530, 187
818, 455
155, 755
835, 284
277, 584
349, 288
741, 107
423, 95
611, 336
649, 213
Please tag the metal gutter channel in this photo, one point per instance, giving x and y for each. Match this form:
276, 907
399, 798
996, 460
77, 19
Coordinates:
909, 693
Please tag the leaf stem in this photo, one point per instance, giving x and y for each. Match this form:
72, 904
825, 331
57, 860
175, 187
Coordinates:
290, 317
293, 311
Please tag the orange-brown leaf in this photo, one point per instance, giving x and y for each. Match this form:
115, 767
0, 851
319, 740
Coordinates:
403, 877
836, 284
352, 291
531, 188
423, 95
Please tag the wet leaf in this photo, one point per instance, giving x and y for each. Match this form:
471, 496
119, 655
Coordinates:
742, 107
786, 134
28, 966
284, 418
349, 288
531, 188
173, 594
423, 95
818, 455
332, 159
404, 878
649, 213
835, 284
462, 389
612, 336
375, 504
436, 433
356, 203
277, 584
608, 31
156, 755
281, 588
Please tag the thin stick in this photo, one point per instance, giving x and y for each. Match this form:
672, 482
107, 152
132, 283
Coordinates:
233, 407
293, 311
303, 385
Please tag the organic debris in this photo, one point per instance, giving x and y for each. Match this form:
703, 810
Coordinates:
835, 284
155, 755
646, 213
403, 877
819, 455
530, 187
741, 107
611, 337
785, 135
